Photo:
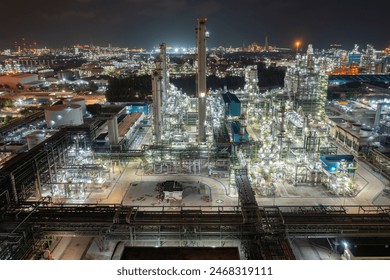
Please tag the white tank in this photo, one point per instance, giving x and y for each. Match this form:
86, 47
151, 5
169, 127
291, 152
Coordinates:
78, 101
348, 123
356, 127
64, 115
366, 132
35, 138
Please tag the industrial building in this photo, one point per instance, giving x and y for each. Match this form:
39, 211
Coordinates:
353, 136
347, 79
232, 105
336, 163
15, 80
307, 87
63, 115
237, 135
173, 190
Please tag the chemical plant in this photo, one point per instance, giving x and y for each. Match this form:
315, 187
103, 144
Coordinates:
251, 169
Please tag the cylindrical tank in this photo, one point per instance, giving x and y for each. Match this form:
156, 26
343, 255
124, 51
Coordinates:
35, 138
365, 132
78, 101
356, 127
348, 123
63, 115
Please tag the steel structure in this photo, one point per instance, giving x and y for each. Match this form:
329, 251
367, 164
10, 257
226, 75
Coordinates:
21, 177
262, 231
19, 122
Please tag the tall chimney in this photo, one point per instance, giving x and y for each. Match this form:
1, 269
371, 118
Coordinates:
157, 96
164, 72
201, 78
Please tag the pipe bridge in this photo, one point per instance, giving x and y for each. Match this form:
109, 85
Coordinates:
263, 235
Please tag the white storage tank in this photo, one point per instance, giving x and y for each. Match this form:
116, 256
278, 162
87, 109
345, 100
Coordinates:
64, 115
366, 132
35, 138
356, 127
78, 101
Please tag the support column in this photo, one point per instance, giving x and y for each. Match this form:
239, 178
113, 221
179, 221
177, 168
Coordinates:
13, 184
38, 192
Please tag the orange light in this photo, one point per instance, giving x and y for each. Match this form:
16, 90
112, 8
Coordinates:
297, 43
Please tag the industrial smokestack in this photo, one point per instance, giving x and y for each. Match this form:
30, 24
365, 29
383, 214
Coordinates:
157, 96
201, 77
164, 71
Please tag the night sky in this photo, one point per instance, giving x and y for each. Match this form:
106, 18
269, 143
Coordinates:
146, 23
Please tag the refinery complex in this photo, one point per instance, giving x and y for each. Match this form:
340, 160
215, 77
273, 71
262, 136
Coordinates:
263, 171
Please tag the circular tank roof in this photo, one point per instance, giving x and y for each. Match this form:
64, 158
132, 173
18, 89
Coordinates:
62, 107
77, 99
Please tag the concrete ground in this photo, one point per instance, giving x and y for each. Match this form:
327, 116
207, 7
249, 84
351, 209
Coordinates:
132, 187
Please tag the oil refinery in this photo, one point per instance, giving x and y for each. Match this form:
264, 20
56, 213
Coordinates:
253, 169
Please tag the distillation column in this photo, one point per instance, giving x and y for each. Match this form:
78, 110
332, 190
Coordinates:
201, 78
310, 57
164, 72
157, 96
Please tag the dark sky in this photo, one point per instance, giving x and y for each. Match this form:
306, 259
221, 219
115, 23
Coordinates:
146, 23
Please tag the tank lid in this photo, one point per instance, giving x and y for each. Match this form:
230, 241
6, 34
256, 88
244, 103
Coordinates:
62, 107
77, 99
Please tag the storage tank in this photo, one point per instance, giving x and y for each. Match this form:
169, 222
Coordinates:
366, 132
356, 127
64, 115
348, 123
78, 101
35, 138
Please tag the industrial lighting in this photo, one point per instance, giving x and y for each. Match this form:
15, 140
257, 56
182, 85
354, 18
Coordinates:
297, 44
